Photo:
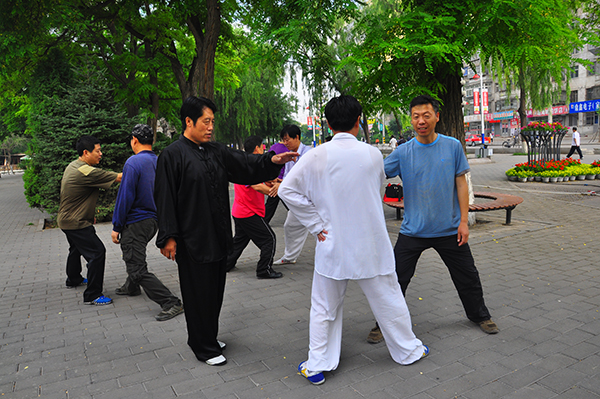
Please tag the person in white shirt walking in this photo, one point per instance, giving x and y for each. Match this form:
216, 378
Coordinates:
334, 191
575, 144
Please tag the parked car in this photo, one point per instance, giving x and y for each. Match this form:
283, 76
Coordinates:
475, 139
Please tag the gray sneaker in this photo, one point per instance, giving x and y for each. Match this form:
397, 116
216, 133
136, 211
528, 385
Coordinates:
169, 313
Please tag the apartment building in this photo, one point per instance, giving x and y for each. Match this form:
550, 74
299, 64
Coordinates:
579, 107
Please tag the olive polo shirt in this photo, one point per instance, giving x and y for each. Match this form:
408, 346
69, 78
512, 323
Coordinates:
79, 191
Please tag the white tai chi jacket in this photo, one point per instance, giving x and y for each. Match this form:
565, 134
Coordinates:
336, 187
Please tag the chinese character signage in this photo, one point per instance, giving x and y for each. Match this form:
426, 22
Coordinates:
310, 122
476, 101
558, 110
484, 100
584, 106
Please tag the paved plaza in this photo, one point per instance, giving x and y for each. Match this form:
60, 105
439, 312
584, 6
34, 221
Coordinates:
541, 279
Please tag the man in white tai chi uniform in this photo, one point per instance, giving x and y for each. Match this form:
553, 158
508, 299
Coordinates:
334, 190
294, 232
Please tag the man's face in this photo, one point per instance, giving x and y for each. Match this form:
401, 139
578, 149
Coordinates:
291, 144
201, 132
94, 157
423, 119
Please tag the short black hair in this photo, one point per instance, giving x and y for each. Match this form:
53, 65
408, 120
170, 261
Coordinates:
424, 100
143, 133
251, 143
86, 143
342, 112
574, 128
292, 131
193, 108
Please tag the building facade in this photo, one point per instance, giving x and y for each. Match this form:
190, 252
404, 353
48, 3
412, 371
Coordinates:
580, 107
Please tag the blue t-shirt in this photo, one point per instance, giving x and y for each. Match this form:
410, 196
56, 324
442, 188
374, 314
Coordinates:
135, 199
428, 173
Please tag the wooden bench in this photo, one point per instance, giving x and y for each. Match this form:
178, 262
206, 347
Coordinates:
498, 201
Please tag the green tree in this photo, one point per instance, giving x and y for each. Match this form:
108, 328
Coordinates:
313, 38
255, 105
530, 44
66, 105
419, 46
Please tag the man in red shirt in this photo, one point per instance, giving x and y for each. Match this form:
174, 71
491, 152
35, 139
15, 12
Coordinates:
248, 213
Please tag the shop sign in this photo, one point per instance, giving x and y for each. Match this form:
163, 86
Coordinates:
584, 106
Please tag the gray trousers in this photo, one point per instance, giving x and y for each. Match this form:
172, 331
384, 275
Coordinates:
134, 240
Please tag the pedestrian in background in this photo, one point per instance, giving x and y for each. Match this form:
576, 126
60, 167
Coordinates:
575, 144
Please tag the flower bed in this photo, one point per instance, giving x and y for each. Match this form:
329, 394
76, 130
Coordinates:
565, 168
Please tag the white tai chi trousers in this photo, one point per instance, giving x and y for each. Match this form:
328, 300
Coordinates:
388, 306
295, 235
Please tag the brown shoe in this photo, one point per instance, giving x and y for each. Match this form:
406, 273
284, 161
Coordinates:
488, 326
375, 336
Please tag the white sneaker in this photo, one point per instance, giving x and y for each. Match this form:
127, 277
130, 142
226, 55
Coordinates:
217, 361
284, 261
222, 344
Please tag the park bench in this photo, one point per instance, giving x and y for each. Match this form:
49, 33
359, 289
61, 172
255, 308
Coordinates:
498, 201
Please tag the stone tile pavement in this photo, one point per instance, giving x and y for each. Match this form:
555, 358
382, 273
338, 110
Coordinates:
541, 280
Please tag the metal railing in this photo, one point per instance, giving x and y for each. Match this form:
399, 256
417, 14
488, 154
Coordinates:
543, 145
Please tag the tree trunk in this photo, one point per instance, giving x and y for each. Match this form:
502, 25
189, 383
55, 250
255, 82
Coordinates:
154, 100
400, 127
522, 105
522, 99
200, 80
365, 125
451, 121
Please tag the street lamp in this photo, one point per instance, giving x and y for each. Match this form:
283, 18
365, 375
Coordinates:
480, 77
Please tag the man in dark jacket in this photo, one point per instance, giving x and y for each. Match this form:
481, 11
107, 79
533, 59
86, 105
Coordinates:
192, 199
134, 224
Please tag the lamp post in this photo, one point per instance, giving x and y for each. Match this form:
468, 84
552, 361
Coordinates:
480, 77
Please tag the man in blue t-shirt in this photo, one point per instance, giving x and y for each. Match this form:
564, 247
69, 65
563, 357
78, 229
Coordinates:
436, 209
135, 223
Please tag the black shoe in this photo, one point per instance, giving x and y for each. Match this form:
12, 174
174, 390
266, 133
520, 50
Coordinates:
123, 291
230, 268
269, 273
83, 282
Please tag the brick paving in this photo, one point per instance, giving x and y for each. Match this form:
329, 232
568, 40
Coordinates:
541, 281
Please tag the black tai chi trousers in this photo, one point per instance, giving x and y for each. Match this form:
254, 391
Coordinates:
202, 287
257, 229
84, 242
458, 260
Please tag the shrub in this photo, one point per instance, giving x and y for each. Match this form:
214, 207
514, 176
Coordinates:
62, 111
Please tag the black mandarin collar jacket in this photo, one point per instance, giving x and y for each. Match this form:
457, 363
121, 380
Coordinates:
192, 194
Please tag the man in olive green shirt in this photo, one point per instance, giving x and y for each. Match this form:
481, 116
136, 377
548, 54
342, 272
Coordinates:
79, 192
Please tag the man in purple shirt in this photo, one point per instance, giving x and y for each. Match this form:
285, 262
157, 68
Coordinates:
273, 199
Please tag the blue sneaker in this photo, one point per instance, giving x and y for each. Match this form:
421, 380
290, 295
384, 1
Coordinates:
425, 351
100, 301
317, 378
